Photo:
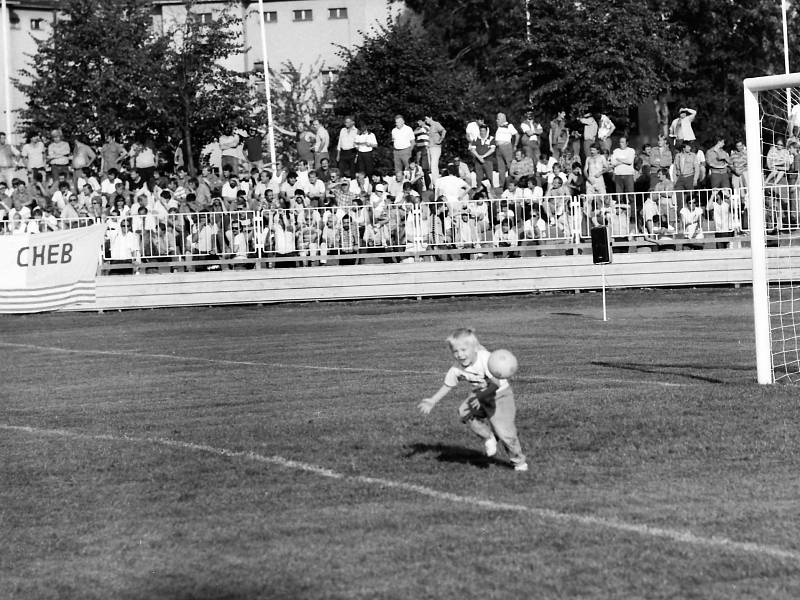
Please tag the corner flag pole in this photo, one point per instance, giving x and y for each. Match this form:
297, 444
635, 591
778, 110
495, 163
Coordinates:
5, 25
267, 87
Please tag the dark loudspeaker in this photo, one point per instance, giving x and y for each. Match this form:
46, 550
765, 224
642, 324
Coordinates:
601, 245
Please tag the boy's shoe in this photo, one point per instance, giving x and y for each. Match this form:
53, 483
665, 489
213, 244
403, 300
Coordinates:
490, 445
521, 467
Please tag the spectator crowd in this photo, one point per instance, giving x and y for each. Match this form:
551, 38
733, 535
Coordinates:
515, 184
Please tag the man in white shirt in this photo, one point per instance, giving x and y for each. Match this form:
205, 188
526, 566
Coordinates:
323, 140
453, 188
403, 140
505, 139
346, 148
622, 161
604, 130
681, 128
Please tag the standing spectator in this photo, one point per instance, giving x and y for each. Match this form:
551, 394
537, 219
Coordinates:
687, 168
8, 160
230, 151
531, 136
58, 155
82, 158
365, 145
505, 138
559, 134
739, 165
482, 149
322, 143
660, 158
112, 153
589, 132
622, 162
33, 153
718, 163
778, 162
403, 140
473, 130
436, 134
305, 143
604, 130
346, 148
254, 149
144, 157
421, 144
681, 127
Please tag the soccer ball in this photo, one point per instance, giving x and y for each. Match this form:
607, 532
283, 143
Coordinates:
502, 364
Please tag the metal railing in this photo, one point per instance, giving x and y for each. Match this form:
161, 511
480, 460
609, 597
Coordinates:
394, 230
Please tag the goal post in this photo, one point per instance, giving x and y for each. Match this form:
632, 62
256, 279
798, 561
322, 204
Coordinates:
768, 106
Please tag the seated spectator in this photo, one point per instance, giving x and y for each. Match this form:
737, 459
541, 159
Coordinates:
691, 219
505, 236
521, 166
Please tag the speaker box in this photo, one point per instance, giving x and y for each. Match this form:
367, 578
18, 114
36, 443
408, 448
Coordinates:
601, 245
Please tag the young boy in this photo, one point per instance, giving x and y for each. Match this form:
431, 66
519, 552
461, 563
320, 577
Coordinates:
489, 410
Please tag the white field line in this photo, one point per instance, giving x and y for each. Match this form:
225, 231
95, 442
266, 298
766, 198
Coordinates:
223, 361
675, 535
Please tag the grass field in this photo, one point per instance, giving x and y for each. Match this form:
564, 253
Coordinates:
276, 452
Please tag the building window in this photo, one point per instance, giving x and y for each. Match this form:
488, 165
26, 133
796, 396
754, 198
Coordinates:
205, 18
302, 15
270, 16
337, 13
36, 24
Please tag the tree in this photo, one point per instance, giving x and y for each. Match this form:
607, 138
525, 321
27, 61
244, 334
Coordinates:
574, 56
399, 69
726, 41
198, 95
93, 75
298, 97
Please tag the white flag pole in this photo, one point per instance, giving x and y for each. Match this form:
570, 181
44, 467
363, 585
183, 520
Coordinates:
5, 25
271, 129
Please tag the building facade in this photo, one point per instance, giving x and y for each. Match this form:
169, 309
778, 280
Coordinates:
306, 33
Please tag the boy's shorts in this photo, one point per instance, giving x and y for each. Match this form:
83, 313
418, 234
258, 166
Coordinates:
487, 407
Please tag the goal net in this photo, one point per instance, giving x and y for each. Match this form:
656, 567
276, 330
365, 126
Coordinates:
770, 191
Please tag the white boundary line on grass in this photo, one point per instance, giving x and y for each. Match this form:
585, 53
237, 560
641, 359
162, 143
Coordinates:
223, 361
675, 535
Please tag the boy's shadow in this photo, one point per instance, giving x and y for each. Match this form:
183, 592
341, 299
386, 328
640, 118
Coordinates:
453, 454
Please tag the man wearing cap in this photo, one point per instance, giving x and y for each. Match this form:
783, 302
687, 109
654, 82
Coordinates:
589, 132
403, 140
341, 191
681, 127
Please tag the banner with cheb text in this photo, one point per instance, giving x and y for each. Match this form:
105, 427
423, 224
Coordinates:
48, 271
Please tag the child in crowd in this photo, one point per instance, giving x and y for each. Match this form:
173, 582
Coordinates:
490, 409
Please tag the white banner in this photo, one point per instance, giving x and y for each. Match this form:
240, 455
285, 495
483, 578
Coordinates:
48, 271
